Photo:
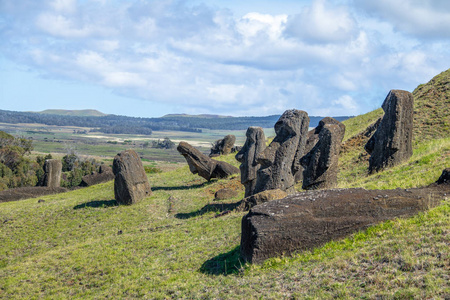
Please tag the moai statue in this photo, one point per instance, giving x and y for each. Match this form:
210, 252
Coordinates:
320, 163
255, 144
391, 144
278, 159
204, 166
130, 182
223, 146
52, 173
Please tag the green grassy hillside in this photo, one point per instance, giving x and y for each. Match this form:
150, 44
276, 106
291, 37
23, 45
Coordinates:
178, 243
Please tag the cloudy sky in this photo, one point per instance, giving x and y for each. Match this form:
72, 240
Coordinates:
153, 57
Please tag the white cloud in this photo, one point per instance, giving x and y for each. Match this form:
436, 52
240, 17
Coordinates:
425, 19
347, 103
64, 6
322, 23
325, 58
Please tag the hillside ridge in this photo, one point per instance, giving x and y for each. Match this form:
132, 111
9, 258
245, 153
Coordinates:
74, 112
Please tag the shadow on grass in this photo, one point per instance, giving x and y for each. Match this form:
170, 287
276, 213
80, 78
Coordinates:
217, 207
182, 187
224, 264
101, 203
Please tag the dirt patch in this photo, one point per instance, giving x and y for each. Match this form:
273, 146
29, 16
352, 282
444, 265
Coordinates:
28, 192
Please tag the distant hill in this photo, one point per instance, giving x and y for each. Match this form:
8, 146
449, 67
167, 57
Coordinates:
77, 113
205, 116
133, 125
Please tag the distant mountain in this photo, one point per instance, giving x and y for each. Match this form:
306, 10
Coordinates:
77, 113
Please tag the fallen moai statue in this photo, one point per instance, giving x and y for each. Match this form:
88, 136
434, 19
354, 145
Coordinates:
224, 146
278, 160
310, 219
105, 174
391, 144
204, 166
130, 182
52, 173
254, 144
320, 162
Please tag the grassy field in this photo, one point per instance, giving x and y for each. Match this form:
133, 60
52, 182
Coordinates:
173, 245
63, 139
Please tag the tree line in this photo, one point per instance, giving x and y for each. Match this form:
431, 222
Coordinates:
17, 169
116, 124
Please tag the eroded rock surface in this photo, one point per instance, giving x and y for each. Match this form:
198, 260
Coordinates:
224, 146
96, 178
52, 173
262, 197
254, 144
278, 159
130, 182
321, 160
204, 166
310, 219
391, 144
445, 177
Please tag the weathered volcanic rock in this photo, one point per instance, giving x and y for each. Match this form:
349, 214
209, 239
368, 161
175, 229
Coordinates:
262, 197
391, 144
311, 141
321, 161
310, 219
278, 159
96, 178
105, 169
255, 144
52, 173
445, 177
204, 166
223, 146
130, 182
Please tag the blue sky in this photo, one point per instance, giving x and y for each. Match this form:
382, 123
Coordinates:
148, 58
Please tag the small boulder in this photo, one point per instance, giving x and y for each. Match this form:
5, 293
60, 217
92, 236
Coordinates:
130, 182
445, 177
262, 197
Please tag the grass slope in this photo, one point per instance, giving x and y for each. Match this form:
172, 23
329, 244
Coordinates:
82, 245
432, 108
